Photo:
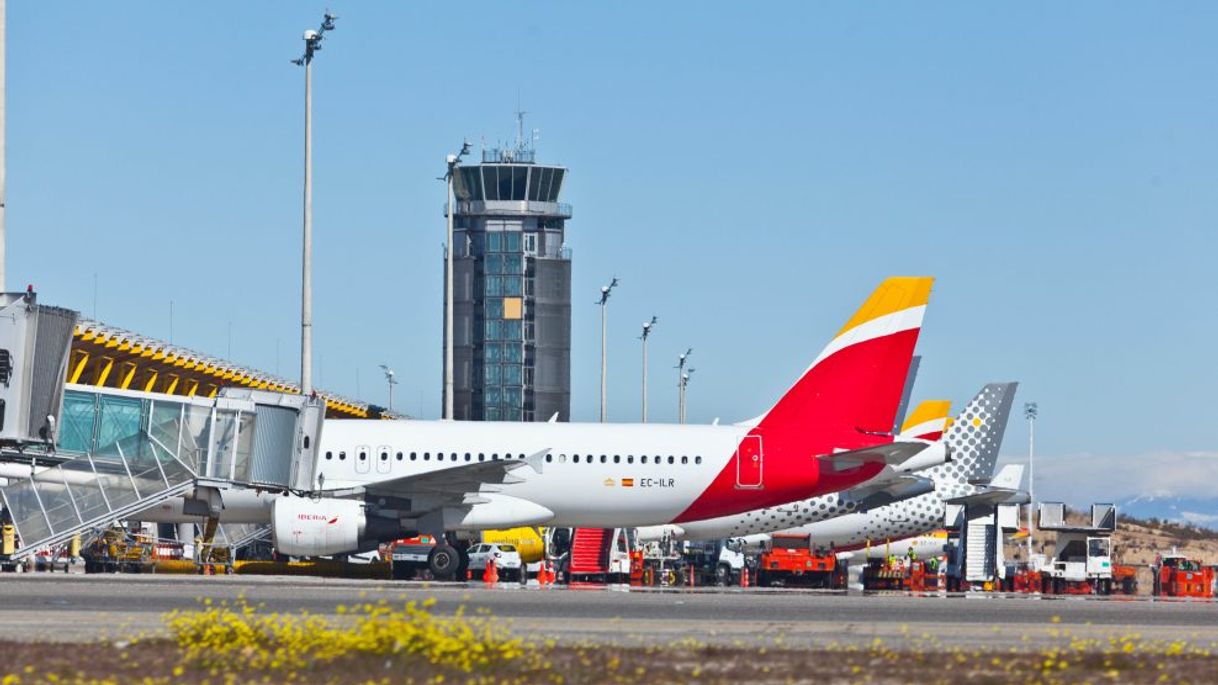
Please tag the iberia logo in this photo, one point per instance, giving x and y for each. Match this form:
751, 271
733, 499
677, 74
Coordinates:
332, 521
628, 482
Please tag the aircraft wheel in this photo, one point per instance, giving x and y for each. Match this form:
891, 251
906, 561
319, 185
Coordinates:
445, 562
723, 575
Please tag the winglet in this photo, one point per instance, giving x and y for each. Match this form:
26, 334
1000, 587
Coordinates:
537, 459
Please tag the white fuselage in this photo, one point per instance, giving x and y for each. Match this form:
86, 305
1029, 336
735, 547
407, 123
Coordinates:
595, 475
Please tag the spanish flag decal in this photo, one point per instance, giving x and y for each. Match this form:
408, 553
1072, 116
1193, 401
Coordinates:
628, 482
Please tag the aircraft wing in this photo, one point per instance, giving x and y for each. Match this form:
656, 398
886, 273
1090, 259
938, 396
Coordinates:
456, 485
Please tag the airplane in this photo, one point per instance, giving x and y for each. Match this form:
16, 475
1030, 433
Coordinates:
925, 423
382, 480
976, 438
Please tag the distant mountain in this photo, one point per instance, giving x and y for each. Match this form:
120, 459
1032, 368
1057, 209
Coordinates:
1199, 512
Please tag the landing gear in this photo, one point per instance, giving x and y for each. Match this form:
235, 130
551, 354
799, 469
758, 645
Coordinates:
447, 562
723, 575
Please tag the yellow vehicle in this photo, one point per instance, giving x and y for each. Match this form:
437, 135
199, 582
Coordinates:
528, 541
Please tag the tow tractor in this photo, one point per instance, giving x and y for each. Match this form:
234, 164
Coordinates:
791, 560
1178, 576
409, 556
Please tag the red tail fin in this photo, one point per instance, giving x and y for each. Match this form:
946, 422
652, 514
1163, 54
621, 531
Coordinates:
847, 399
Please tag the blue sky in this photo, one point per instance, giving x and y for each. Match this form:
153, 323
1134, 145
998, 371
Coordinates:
749, 171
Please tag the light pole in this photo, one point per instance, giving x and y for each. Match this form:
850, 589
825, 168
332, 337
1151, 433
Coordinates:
454, 161
647, 326
3, 163
682, 380
1030, 411
392, 380
312, 41
604, 301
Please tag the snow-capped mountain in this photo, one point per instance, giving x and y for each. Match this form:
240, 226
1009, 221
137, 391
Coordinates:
1200, 512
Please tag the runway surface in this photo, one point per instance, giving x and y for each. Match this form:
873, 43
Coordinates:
77, 607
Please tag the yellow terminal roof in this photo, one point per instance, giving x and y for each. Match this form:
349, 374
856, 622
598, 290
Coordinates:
111, 357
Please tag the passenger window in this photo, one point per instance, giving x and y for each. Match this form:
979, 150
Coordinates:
427, 456
575, 458
342, 456
363, 456
414, 456
400, 456
684, 460
671, 460
630, 459
643, 459
549, 458
384, 456
481, 456
494, 456
562, 458
617, 459
329, 455
697, 460
468, 456
454, 456
604, 459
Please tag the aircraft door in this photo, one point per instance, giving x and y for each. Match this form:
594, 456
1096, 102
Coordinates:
749, 463
383, 455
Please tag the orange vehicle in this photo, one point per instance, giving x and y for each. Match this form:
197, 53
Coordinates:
1176, 576
790, 561
911, 575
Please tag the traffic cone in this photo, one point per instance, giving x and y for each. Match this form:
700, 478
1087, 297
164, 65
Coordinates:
491, 575
690, 572
744, 577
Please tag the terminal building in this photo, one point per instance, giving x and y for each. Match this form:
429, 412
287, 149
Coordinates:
511, 289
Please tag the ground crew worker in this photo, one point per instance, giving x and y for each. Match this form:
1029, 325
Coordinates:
912, 554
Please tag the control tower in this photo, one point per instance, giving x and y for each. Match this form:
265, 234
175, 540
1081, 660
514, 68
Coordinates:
511, 288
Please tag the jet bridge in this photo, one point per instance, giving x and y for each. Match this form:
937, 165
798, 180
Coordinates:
122, 452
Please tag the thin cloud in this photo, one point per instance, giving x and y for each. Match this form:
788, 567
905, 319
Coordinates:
1085, 478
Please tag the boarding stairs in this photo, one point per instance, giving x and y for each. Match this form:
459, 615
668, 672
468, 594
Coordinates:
590, 551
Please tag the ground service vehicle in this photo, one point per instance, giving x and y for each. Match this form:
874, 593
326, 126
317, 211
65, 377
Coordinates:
790, 560
1176, 576
669, 562
506, 559
409, 556
1082, 556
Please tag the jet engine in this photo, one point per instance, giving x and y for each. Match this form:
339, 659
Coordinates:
312, 528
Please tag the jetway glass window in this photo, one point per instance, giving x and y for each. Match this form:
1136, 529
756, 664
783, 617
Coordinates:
196, 436
244, 447
224, 442
79, 418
